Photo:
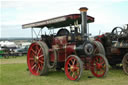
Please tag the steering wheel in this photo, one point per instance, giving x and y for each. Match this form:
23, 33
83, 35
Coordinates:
116, 32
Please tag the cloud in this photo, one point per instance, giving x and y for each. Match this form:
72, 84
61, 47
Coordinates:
26, 11
107, 13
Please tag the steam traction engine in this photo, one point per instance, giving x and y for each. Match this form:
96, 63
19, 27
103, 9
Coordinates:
72, 50
116, 46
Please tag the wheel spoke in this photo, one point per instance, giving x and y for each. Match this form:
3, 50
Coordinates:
41, 56
100, 59
73, 74
39, 66
77, 68
33, 51
102, 62
39, 51
70, 72
73, 62
41, 61
37, 70
69, 64
102, 70
31, 59
96, 60
33, 55
36, 49
68, 68
78, 72
33, 66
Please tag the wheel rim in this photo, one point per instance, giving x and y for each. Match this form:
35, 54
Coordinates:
98, 66
35, 59
72, 68
98, 48
125, 63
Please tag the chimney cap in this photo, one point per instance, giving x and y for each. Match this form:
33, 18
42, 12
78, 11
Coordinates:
83, 9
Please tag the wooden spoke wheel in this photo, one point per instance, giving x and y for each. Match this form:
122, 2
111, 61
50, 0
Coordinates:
73, 67
125, 63
99, 65
36, 58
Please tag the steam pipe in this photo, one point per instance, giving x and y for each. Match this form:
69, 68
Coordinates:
83, 11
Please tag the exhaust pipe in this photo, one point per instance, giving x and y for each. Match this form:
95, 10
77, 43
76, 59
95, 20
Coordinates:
83, 12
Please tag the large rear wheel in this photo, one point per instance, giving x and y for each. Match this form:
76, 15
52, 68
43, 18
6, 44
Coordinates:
73, 67
125, 63
37, 59
99, 65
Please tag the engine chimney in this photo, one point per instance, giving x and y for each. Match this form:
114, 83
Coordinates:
83, 11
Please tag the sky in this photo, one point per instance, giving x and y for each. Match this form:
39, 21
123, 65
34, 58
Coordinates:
14, 13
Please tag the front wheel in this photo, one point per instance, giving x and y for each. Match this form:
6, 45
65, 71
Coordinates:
73, 67
99, 65
125, 63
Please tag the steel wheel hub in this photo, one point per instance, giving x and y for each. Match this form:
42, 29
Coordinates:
37, 57
99, 66
73, 68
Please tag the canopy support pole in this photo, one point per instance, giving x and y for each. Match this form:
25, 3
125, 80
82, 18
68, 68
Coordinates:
32, 33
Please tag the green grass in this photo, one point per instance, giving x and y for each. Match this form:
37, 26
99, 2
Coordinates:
17, 74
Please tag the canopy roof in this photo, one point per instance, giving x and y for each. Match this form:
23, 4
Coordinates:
58, 22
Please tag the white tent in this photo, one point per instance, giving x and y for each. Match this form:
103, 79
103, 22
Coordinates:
7, 44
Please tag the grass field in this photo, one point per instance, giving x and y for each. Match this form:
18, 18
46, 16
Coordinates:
13, 71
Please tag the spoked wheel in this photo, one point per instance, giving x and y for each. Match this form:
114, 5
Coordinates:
99, 65
116, 32
125, 63
36, 58
73, 67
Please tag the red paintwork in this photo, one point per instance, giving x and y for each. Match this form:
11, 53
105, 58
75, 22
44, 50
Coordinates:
98, 66
35, 51
63, 53
72, 69
60, 41
63, 48
99, 38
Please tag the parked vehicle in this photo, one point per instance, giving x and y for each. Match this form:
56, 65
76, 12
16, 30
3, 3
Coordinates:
71, 50
116, 46
6, 51
21, 51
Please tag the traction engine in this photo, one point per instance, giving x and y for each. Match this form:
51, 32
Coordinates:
71, 50
116, 46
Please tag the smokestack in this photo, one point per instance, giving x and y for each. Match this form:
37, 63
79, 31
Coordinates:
83, 11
